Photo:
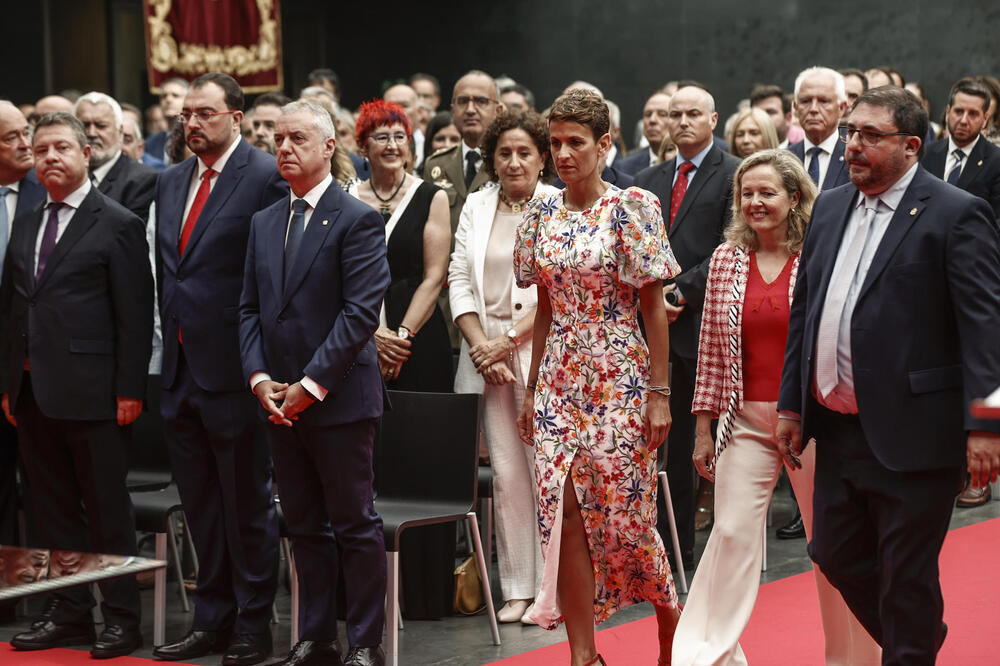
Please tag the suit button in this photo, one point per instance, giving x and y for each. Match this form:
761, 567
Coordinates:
517, 306
32, 302
180, 279
281, 320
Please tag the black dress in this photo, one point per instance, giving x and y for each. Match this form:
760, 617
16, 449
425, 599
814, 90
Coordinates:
429, 367
427, 554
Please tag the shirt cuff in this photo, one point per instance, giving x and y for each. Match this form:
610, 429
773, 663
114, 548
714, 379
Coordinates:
257, 378
314, 389
789, 415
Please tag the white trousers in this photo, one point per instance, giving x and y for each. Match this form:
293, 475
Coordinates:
725, 584
514, 491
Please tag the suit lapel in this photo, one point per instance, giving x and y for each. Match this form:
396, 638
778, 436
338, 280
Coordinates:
702, 174
455, 168
974, 167
83, 219
169, 216
835, 167
482, 222
840, 213
112, 175
226, 184
322, 220
275, 234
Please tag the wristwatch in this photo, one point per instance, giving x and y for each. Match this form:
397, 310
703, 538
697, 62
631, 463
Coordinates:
512, 336
404, 333
672, 298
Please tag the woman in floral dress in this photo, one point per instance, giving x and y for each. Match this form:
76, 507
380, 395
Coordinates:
600, 404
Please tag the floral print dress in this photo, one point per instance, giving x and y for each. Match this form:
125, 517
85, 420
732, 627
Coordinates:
590, 401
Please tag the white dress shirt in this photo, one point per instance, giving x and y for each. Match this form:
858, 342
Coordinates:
949, 162
11, 201
312, 198
842, 398
102, 171
826, 147
465, 151
65, 214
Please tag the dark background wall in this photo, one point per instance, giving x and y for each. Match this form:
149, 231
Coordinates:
626, 47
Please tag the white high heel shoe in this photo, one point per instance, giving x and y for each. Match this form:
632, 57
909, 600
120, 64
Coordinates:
513, 610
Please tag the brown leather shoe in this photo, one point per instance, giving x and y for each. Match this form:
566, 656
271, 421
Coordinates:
971, 497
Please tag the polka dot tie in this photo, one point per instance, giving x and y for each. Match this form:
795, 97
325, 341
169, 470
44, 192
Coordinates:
680, 187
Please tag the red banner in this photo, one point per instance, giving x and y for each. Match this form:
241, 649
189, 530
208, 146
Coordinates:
242, 38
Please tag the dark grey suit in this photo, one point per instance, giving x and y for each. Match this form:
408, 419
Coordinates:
981, 175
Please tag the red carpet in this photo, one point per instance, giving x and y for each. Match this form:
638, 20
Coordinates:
785, 627
61, 657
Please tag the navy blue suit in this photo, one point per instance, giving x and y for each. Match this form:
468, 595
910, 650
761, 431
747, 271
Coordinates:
218, 455
836, 171
923, 345
320, 323
634, 162
360, 167
981, 175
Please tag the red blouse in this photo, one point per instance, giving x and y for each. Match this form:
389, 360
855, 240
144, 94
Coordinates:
765, 331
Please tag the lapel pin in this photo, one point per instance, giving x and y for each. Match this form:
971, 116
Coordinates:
913, 211
841, 158
436, 172
325, 222
979, 163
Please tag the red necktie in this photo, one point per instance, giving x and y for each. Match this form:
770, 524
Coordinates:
199, 202
680, 187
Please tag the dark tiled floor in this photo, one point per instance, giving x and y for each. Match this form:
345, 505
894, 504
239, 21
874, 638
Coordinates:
465, 641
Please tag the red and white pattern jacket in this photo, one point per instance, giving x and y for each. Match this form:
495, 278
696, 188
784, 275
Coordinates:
714, 382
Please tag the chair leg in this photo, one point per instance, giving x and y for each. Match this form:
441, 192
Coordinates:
160, 593
178, 569
391, 608
293, 581
484, 575
190, 545
665, 485
486, 508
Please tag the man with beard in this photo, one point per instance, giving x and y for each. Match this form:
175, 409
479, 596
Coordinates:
113, 172
220, 461
265, 111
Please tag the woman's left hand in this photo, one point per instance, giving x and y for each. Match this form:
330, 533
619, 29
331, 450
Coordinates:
498, 374
487, 353
657, 420
389, 370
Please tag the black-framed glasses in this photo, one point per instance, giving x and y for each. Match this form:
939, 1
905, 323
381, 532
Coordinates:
382, 138
869, 137
203, 115
479, 101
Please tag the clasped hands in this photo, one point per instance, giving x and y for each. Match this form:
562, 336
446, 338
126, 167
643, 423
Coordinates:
282, 401
392, 350
488, 357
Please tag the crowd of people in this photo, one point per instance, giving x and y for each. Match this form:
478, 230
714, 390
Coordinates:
723, 301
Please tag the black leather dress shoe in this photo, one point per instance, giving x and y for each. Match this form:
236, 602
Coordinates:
314, 653
248, 649
116, 641
195, 644
365, 656
45, 634
793, 530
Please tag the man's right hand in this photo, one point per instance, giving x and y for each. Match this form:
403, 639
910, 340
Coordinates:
271, 394
673, 311
6, 410
789, 436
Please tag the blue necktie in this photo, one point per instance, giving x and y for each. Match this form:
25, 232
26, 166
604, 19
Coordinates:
296, 227
956, 170
814, 163
4, 224
48, 239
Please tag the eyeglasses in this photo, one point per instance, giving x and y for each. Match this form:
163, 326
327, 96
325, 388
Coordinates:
203, 115
382, 138
480, 102
869, 137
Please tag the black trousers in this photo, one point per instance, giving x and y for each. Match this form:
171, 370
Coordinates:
676, 455
223, 472
76, 479
877, 534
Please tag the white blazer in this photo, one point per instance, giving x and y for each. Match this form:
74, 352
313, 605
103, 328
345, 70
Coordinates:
465, 280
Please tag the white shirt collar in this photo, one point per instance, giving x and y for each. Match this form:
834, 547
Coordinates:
827, 145
102, 171
75, 198
313, 196
952, 147
894, 194
466, 150
220, 163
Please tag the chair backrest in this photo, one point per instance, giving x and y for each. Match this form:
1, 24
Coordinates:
427, 448
148, 452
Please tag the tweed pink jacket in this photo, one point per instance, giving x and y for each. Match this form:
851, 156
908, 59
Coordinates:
721, 340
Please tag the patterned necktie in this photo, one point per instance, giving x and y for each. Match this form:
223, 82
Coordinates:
836, 296
814, 163
4, 224
48, 238
200, 197
680, 187
471, 167
296, 227
956, 170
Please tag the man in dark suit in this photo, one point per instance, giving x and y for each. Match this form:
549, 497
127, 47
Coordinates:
820, 101
884, 388
966, 159
219, 458
116, 174
654, 128
77, 303
695, 191
20, 191
316, 272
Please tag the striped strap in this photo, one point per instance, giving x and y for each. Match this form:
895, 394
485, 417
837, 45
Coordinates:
725, 432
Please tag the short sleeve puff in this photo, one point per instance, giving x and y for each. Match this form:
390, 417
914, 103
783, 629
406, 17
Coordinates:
641, 240
526, 241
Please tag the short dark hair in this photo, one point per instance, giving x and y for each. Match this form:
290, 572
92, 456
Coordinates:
422, 76
232, 92
760, 92
66, 119
530, 122
585, 107
969, 86
854, 71
271, 99
324, 74
438, 121
522, 90
908, 114
892, 71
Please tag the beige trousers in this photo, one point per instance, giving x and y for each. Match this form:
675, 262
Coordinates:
725, 584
